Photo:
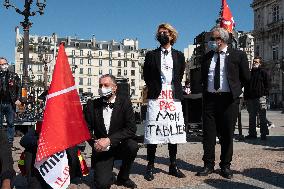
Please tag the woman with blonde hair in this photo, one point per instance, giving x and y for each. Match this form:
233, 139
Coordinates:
163, 72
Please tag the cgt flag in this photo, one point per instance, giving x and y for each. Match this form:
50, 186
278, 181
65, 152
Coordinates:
227, 20
63, 125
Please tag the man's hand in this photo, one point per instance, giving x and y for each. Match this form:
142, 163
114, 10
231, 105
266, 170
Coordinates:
6, 184
101, 144
18, 103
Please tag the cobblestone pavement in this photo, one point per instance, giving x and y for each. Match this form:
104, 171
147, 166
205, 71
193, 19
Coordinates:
256, 163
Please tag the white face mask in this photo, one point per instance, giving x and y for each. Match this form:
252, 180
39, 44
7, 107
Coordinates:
4, 67
212, 45
105, 92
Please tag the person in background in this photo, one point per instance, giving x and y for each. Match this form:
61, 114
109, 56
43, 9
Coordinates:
7, 172
255, 94
10, 94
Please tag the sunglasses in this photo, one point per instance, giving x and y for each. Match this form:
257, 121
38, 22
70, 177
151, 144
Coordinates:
215, 38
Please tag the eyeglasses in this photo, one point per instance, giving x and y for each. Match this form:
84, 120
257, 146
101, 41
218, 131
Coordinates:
4, 64
163, 33
256, 62
215, 38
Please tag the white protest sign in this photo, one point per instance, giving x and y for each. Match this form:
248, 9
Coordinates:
55, 170
164, 120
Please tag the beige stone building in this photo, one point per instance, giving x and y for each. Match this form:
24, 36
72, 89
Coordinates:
88, 59
269, 43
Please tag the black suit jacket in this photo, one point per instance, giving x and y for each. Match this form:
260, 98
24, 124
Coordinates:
122, 124
237, 71
152, 73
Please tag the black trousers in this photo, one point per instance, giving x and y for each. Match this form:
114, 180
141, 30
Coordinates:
151, 151
104, 162
6, 160
220, 113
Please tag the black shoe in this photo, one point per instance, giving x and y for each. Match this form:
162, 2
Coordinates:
263, 137
251, 137
126, 183
206, 171
174, 171
226, 173
149, 173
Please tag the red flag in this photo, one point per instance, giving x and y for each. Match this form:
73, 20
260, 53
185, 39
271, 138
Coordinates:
227, 20
63, 123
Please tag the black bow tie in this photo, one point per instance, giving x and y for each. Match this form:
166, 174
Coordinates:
166, 52
108, 104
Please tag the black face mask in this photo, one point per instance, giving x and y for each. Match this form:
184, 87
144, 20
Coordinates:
163, 39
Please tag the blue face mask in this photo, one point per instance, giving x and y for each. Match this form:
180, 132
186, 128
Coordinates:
212, 45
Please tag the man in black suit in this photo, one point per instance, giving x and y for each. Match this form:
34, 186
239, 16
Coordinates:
111, 122
163, 71
224, 72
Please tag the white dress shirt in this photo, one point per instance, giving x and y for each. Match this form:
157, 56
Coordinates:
107, 112
224, 85
166, 66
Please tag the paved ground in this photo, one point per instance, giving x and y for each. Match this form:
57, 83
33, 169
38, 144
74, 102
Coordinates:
256, 163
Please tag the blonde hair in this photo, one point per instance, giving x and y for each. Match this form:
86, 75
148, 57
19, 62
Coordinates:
173, 32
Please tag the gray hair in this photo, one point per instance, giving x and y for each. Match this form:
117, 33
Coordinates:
224, 34
113, 79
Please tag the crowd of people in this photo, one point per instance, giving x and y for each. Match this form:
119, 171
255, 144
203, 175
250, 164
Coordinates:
111, 119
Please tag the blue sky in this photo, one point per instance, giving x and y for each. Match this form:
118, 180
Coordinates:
119, 19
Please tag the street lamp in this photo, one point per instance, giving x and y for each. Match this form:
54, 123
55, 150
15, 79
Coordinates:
26, 24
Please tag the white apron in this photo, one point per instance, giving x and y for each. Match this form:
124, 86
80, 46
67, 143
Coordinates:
164, 118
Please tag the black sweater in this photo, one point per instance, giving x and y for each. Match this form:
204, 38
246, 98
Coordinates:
259, 84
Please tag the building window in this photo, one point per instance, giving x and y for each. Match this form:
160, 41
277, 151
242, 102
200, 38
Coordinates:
39, 77
100, 72
133, 64
119, 72
125, 72
125, 63
100, 53
80, 81
275, 13
100, 62
81, 70
110, 71
89, 53
21, 67
132, 82
30, 68
81, 52
89, 82
110, 54
275, 53
132, 55
89, 71
119, 63
89, 61
132, 72
73, 61
257, 51
81, 61
39, 68
73, 52
110, 62
118, 54
125, 55
80, 90
73, 69
132, 92
89, 90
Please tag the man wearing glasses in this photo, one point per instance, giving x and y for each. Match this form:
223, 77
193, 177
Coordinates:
10, 94
224, 72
